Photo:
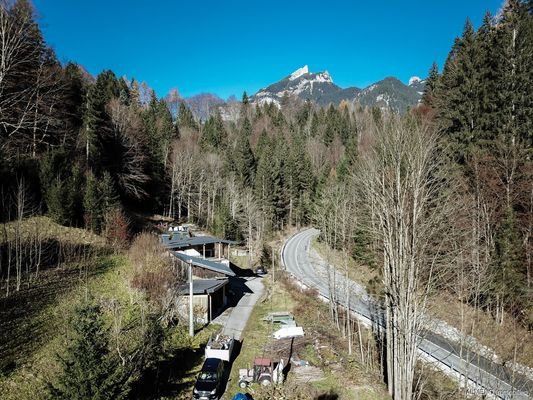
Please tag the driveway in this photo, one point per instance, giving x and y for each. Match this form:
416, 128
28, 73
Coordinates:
238, 317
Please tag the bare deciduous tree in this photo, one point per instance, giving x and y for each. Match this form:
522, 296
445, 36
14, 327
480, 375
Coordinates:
131, 175
30, 90
401, 183
183, 161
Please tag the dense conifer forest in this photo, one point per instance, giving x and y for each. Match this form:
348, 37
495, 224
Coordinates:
105, 154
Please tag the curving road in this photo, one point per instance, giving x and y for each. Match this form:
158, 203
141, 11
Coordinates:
483, 376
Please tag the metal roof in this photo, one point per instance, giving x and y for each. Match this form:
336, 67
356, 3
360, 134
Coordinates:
183, 242
204, 263
203, 286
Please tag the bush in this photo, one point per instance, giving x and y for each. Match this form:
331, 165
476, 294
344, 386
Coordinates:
116, 229
152, 268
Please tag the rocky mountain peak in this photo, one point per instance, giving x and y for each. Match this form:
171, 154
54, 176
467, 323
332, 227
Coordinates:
299, 72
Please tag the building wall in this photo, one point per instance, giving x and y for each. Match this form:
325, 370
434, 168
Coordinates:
200, 303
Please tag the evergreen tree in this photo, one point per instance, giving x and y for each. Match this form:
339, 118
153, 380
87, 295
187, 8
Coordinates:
513, 49
280, 182
89, 370
96, 118
487, 78
158, 131
315, 125
108, 198
263, 183
508, 283
431, 85
58, 208
243, 157
124, 92
73, 102
303, 115
459, 102
214, 135
59, 182
345, 167
332, 127
300, 180
186, 117
92, 204
344, 128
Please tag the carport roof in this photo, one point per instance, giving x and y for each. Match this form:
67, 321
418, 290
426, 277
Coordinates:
203, 286
204, 263
180, 242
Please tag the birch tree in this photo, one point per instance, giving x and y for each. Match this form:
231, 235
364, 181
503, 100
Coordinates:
400, 182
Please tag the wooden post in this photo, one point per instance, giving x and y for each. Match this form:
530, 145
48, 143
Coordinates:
273, 264
191, 321
210, 307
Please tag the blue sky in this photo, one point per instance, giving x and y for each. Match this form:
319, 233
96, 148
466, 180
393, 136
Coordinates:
227, 46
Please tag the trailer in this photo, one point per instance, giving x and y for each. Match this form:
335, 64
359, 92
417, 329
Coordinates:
220, 346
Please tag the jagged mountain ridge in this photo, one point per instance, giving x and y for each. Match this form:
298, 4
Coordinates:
389, 93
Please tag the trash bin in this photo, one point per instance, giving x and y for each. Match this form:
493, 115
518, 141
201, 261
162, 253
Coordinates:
241, 396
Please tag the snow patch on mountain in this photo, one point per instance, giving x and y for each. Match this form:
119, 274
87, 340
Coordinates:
299, 72
414, 80
268, 100
383, 98
323, 77
370, 88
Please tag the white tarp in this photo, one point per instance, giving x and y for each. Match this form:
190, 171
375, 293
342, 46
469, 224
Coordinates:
190, 252
289, 332
278, 372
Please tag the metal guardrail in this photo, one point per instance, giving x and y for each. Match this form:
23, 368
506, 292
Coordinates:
462, 376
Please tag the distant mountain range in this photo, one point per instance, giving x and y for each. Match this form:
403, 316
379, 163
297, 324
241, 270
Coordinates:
203, 104
389, 93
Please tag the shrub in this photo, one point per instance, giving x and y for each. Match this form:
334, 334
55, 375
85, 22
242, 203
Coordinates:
152, 269
116, 229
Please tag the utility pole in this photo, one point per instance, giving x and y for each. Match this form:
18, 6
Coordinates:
191, 323
274, 255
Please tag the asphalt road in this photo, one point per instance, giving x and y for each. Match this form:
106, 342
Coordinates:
484, 376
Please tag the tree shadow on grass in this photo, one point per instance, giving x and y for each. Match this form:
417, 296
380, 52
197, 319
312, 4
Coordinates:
23, 326
170, 377
328, 396
176, 375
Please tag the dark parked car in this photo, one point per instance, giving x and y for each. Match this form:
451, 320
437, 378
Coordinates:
208, 383
260, 270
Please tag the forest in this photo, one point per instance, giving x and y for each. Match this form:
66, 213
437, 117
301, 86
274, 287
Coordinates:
104, 153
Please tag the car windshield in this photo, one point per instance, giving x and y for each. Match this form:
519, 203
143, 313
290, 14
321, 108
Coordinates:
207, 376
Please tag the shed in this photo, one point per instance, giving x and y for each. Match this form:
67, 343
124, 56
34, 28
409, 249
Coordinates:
209, 298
